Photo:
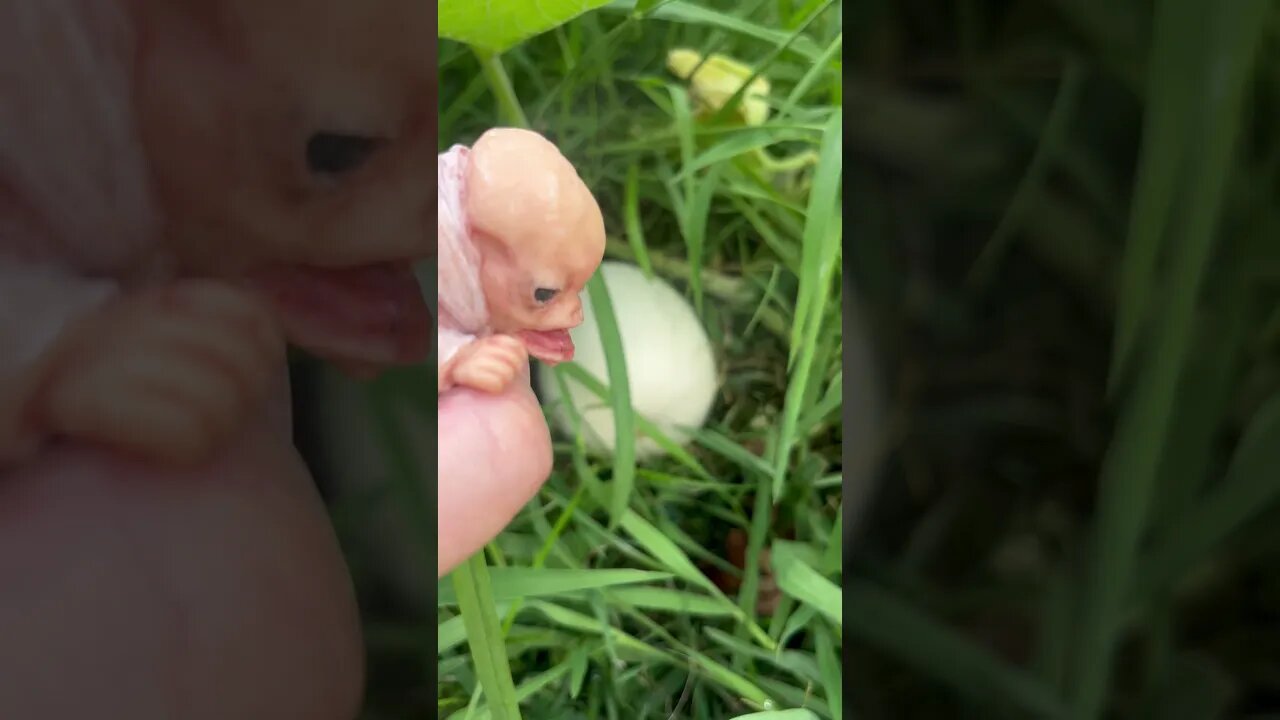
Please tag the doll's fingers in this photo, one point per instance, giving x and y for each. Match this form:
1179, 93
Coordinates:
218, 351
152, 398
480, 379
490, 361
490, 376
156, 425
229, 308
505, 353
492, 366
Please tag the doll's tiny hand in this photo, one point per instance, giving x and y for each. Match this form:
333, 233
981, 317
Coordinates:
167, 374
490, 363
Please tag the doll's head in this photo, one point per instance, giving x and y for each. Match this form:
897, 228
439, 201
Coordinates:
293, 141
540, 235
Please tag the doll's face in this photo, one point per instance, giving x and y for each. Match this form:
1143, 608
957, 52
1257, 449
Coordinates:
292, 134
279, 121
540, 234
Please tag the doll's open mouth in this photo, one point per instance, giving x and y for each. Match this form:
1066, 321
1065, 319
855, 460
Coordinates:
371, 315
549, 346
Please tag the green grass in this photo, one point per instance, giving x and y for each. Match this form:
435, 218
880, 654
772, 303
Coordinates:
667, 639
1081, 390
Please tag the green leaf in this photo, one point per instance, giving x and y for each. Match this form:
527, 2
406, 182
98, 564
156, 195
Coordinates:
664, 550
578, 666
744, 688
1042, 162
511, 583
805, 584
488, 652
631, 214
450, 633
670, 555
830, 668
1128, 477
819, 260
820, 66
582, 623
672, 601
1252, 485
778, 715
1176, 51
689, 13
624, 452
941, 653
740, 144
498, 25
526, 690
800, 664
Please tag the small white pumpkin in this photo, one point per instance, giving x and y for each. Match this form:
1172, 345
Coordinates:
671, 369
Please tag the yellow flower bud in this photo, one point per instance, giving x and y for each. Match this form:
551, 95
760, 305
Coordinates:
715, 81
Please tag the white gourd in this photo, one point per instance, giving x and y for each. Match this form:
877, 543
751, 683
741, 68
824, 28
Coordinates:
671, 368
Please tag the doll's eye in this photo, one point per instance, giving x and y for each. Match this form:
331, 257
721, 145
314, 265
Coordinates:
336, 154
543, 296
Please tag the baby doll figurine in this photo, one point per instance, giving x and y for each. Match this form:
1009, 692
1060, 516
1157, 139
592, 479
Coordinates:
519, 236
184, 186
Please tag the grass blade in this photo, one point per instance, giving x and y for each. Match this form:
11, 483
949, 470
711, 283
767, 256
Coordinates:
1051, 145
778, 715
526, 690
811, 76
816, 245
646, 427
583, 623
624, 453
832, 675
488, 653
672, 601
510, 583
885, 622
631, 215
697, 212
673, 558
689, 13
1251, 486
819, 261
1177, 36
799, 580
1128, 475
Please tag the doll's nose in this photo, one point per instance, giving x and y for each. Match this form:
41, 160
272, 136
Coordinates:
573, 313
384, 218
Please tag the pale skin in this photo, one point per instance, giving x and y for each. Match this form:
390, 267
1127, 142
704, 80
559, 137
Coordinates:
540, 236
169, 559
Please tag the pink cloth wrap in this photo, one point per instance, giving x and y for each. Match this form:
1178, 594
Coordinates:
76, 206
463, 314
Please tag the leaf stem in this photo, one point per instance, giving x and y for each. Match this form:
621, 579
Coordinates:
509, 107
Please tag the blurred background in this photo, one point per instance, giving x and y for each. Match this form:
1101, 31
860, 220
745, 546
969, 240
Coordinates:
1053, 490
1064, 236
